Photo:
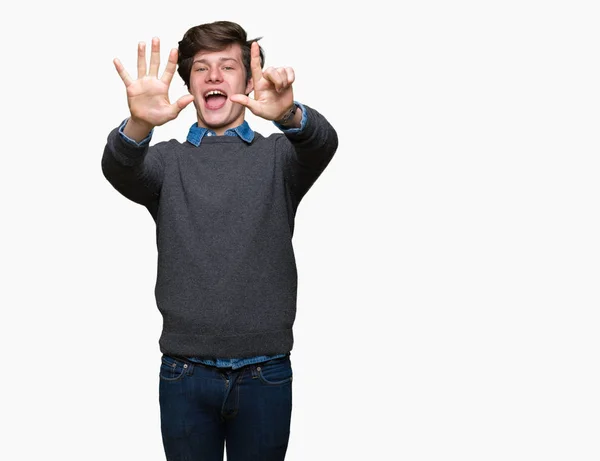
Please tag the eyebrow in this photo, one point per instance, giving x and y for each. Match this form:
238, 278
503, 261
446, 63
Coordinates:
204, 61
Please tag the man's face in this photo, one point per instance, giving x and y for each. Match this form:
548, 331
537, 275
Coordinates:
215, 76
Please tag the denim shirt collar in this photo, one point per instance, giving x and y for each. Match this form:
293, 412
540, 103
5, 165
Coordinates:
196, 133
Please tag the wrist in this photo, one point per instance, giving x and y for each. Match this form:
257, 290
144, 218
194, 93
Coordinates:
137, 130
288, 116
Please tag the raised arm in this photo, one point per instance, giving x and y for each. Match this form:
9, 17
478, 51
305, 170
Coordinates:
128, 163
310, 141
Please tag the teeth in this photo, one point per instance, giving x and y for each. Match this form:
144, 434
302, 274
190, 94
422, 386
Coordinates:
214, 92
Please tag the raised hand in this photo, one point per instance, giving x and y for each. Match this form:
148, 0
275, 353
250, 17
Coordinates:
273, 95
148, 96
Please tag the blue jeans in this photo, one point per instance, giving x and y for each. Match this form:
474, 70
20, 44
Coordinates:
204, 408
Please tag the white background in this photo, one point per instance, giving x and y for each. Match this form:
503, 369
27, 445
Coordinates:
448, 257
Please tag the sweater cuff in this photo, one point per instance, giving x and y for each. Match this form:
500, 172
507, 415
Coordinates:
125, 150
144, 142
302, 122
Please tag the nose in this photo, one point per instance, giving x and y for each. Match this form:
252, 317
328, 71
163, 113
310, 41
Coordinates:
214, 75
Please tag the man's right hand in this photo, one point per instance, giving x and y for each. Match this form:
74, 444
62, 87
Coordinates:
148, 96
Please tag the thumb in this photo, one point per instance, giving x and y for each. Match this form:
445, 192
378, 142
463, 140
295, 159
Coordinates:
182, 102
244, 101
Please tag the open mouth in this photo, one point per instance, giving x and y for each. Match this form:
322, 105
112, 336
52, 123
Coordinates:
215, 99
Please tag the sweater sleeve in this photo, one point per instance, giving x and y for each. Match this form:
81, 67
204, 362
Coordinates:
135, 171
307, 153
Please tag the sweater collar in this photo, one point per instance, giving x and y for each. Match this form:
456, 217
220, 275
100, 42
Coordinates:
197, 133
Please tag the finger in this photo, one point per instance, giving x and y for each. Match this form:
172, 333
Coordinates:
141, 61
245, 101
182, 102
122, 72
291, 75
171, 67
154, 57
255, 66
274, 77
283, 76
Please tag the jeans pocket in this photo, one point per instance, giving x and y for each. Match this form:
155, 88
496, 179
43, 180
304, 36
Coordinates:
172, 369
276, 372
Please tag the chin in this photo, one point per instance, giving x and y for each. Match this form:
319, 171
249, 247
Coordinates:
213, 119
215, 122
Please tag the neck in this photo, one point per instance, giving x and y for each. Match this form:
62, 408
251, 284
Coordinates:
220, 130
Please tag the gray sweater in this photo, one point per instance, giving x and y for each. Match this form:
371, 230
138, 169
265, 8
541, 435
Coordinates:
224, 212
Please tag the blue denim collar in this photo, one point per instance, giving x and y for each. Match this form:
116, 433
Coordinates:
196, 133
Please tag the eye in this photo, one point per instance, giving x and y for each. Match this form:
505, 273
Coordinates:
228, 68
200, 69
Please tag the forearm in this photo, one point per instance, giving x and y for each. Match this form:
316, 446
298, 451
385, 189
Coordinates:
316, 142
307, 152
132, 170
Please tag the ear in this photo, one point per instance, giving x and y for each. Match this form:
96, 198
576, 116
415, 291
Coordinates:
249, 87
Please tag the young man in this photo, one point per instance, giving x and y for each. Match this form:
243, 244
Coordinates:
224, 204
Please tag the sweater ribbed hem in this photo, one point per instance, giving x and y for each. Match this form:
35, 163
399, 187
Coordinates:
238, 346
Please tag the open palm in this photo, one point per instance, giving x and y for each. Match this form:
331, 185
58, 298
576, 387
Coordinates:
148, 95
